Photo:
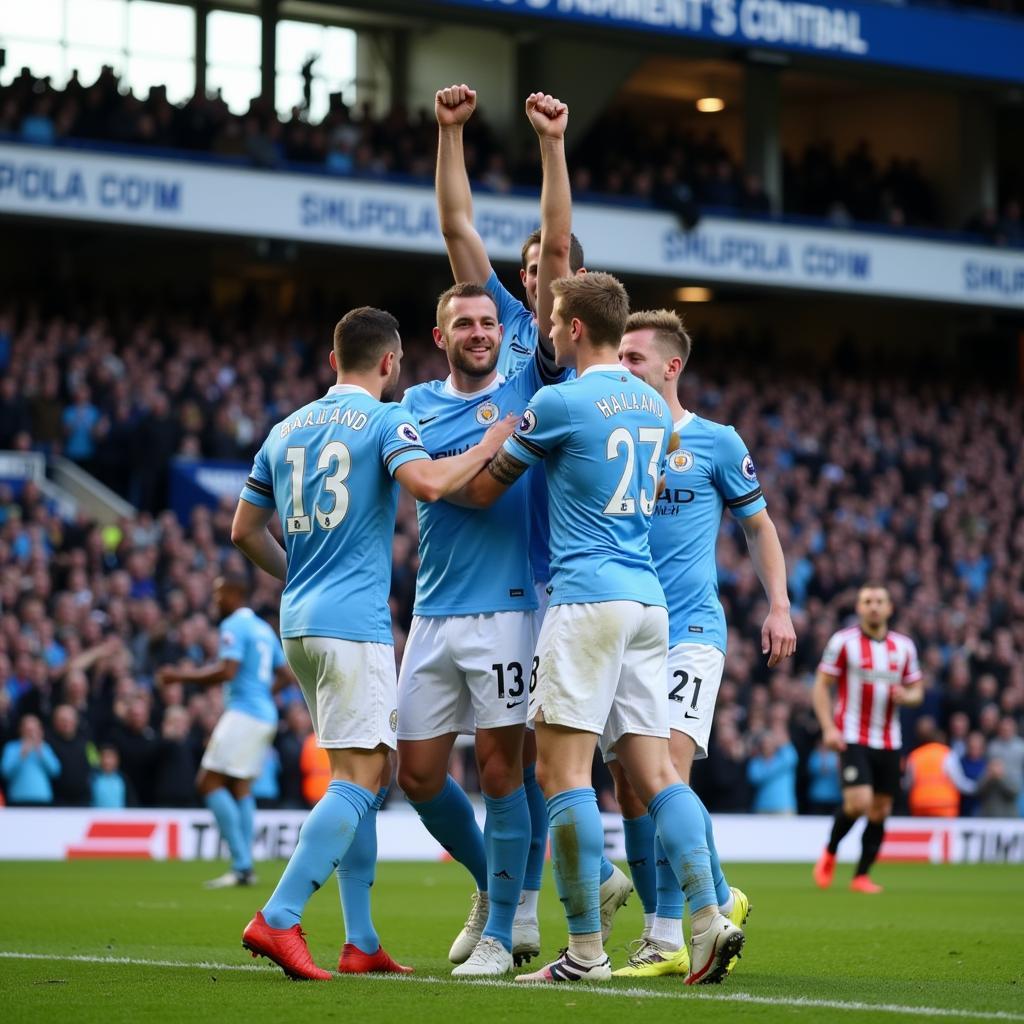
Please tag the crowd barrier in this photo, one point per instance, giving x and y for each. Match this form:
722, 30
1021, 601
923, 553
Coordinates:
72, 834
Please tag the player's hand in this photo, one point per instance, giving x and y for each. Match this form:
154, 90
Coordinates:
498, 433
901, 696
548, 115
454, 105
778, 637
164, 675
833, 739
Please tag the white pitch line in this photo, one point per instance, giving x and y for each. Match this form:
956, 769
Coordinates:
796, 1002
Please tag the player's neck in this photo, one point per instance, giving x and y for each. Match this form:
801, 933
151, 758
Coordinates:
468, 384
875, 632
372, 384
588, 356
675, 407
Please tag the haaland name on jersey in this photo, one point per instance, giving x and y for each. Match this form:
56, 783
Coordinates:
340, 417
615, 404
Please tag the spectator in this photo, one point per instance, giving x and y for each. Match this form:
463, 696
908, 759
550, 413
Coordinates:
29, 766
824, 790
138, 749
176, 761
1008, 749
70, 743
291, 739
772, 773
108, 785
974, 765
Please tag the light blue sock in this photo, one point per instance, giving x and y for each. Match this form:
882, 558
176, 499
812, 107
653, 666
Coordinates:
670, 894
247, 820
606, 869
356, 874
449, 818
639, 835
538, 829
676, 813
324, 840
507, 841
722, 890
577, 839
229, 821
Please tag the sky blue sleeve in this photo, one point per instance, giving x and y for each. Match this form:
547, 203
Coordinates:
259, 488
519, 337
544, 427
232, 642
735, 475
399, 440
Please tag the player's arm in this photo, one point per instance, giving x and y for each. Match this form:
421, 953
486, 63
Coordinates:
821, 700
467, 254
549, 118
283, 678
431, 480
221, 671
778, 637
910, 692
491, 482
250, 533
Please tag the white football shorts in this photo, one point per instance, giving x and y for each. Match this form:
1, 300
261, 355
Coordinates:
694, 677
238, 745
461, 673
601, 669
350, 688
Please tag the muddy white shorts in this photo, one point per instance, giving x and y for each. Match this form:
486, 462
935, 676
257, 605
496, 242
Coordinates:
351, 690
601, 669
694, 676
238, 745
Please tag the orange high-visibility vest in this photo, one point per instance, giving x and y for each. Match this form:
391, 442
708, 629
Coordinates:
932, 794
316, 770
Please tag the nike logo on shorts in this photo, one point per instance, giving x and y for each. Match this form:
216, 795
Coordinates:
688, 715
513, 704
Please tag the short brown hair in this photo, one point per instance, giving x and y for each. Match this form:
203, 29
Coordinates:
599, 301
575, 251
362, 336
462, 290
668, 330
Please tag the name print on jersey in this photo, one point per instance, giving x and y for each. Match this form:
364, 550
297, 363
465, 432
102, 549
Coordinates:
346, 418
612, 405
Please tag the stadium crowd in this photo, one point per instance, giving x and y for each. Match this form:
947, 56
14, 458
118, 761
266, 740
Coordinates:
664, 162
867, 477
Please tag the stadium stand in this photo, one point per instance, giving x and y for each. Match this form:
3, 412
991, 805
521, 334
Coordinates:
864, 481
653, 157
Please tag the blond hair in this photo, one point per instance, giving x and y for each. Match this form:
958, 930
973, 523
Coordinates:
599, 301
668, 329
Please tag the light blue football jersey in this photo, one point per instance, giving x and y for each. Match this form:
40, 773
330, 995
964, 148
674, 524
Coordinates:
517, 345
328, 469
520, 336
603, 438
472, 561
247, 639
710, 470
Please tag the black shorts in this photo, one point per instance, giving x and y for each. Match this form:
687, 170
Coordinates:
866, 766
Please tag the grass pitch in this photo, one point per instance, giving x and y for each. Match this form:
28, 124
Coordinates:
138, 941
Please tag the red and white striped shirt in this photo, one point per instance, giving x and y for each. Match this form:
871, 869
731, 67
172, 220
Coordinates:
867, 671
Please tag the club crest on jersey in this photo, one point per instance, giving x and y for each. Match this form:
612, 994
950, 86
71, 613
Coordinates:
487, 413
680, 460
407, 432
528, 423
228, 639
747, 468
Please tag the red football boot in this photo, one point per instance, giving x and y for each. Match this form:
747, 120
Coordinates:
354, 961
285, 946
861, 883
824, 869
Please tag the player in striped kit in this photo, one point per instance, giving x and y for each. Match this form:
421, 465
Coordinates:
877, 672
